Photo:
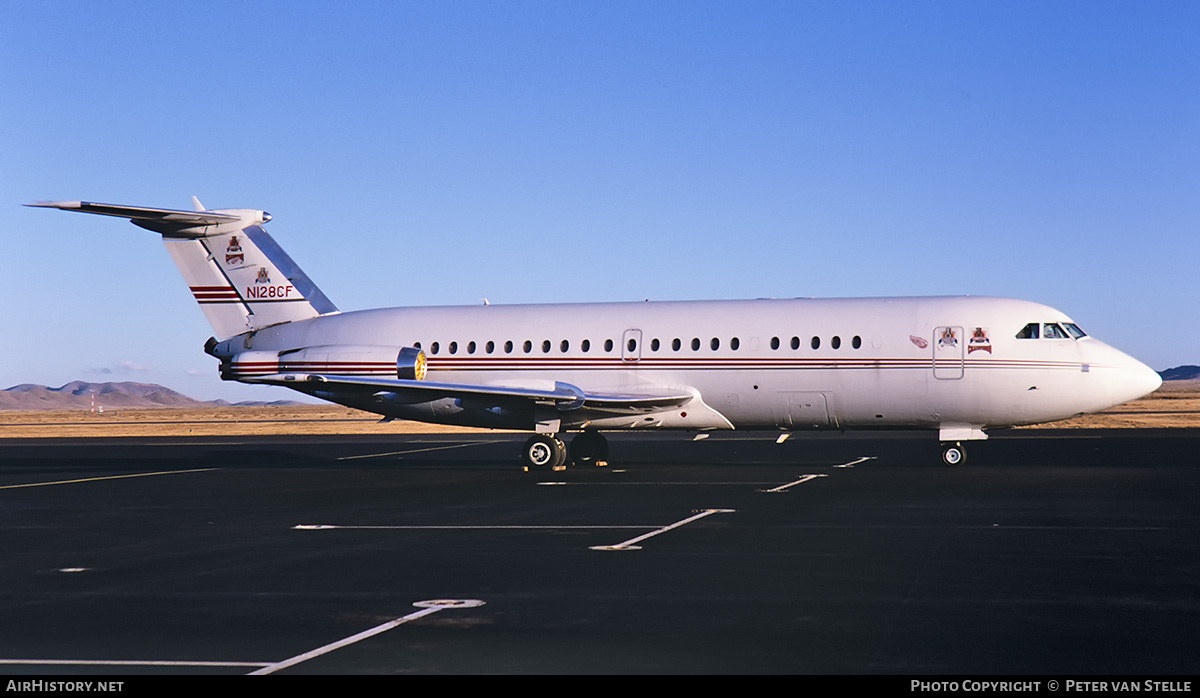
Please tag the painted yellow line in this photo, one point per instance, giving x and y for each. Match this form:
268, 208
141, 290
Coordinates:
106, 477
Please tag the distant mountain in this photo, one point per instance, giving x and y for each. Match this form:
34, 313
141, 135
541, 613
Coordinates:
1180, 373
77, 395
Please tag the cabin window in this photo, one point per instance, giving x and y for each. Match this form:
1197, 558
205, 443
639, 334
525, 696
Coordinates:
564, 346
631, 345
1029, 331
735, 343
1051, 330
433, 348
856, 342
545, 346
816, 342
585, 345
774, 342
608, 345
675, 344
836, 342
795, 343
654, 344
528, 346
715, 344
508, 347
695, 344
471, 347
489, 347
416, 345
1073, 330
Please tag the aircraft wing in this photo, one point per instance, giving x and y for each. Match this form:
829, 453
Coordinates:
565, 397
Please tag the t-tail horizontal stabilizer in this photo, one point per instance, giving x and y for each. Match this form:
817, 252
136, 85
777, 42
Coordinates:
242, 278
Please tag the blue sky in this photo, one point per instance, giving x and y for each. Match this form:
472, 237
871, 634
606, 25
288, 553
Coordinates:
443, 152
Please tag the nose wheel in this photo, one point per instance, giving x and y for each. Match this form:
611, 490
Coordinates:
953, 454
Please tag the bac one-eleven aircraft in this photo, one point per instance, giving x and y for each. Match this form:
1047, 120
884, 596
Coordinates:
957, 365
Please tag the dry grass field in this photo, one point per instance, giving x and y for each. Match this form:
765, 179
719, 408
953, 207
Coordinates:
207, 421
1175, 405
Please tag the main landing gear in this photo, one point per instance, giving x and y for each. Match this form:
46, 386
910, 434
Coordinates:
953, 454
549, 451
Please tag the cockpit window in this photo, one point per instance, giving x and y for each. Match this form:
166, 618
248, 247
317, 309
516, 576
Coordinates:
1051, 330
1073, 330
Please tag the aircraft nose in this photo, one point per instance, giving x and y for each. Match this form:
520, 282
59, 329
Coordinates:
1123, 378
1137, 380
1150, 380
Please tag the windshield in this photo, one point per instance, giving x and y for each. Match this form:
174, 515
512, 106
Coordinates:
1073, 330
1051, 330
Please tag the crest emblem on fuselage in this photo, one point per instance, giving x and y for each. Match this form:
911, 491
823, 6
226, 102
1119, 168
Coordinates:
979, 341
947, 340
263, 277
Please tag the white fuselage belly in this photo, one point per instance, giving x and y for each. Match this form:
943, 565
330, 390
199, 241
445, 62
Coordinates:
904, 372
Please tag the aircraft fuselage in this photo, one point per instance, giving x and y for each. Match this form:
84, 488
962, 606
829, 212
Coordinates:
935, 362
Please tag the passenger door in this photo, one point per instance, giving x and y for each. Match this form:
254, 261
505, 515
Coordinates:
949, 351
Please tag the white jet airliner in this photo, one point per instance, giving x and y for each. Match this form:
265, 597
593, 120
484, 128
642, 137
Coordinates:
959, 365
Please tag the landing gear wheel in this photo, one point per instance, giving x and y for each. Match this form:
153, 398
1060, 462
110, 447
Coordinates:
589, 448
953, 454
560, 454
542, 450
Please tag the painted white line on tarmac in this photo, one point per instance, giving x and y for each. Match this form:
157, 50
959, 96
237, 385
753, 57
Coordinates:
803, 479
853, 463
427, 607
414, 450
334, 527
632, 543
106, 477
653, 484
130, 663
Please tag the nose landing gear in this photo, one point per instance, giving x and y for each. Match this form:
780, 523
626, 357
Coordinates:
953, 454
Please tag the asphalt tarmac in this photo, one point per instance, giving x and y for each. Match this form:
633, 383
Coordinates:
1049, 552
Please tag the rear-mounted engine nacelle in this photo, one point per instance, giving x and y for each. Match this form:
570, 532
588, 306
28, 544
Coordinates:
410, 364
331, 360
250, 364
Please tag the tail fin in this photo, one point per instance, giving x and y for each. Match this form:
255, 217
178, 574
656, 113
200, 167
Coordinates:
242, 278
